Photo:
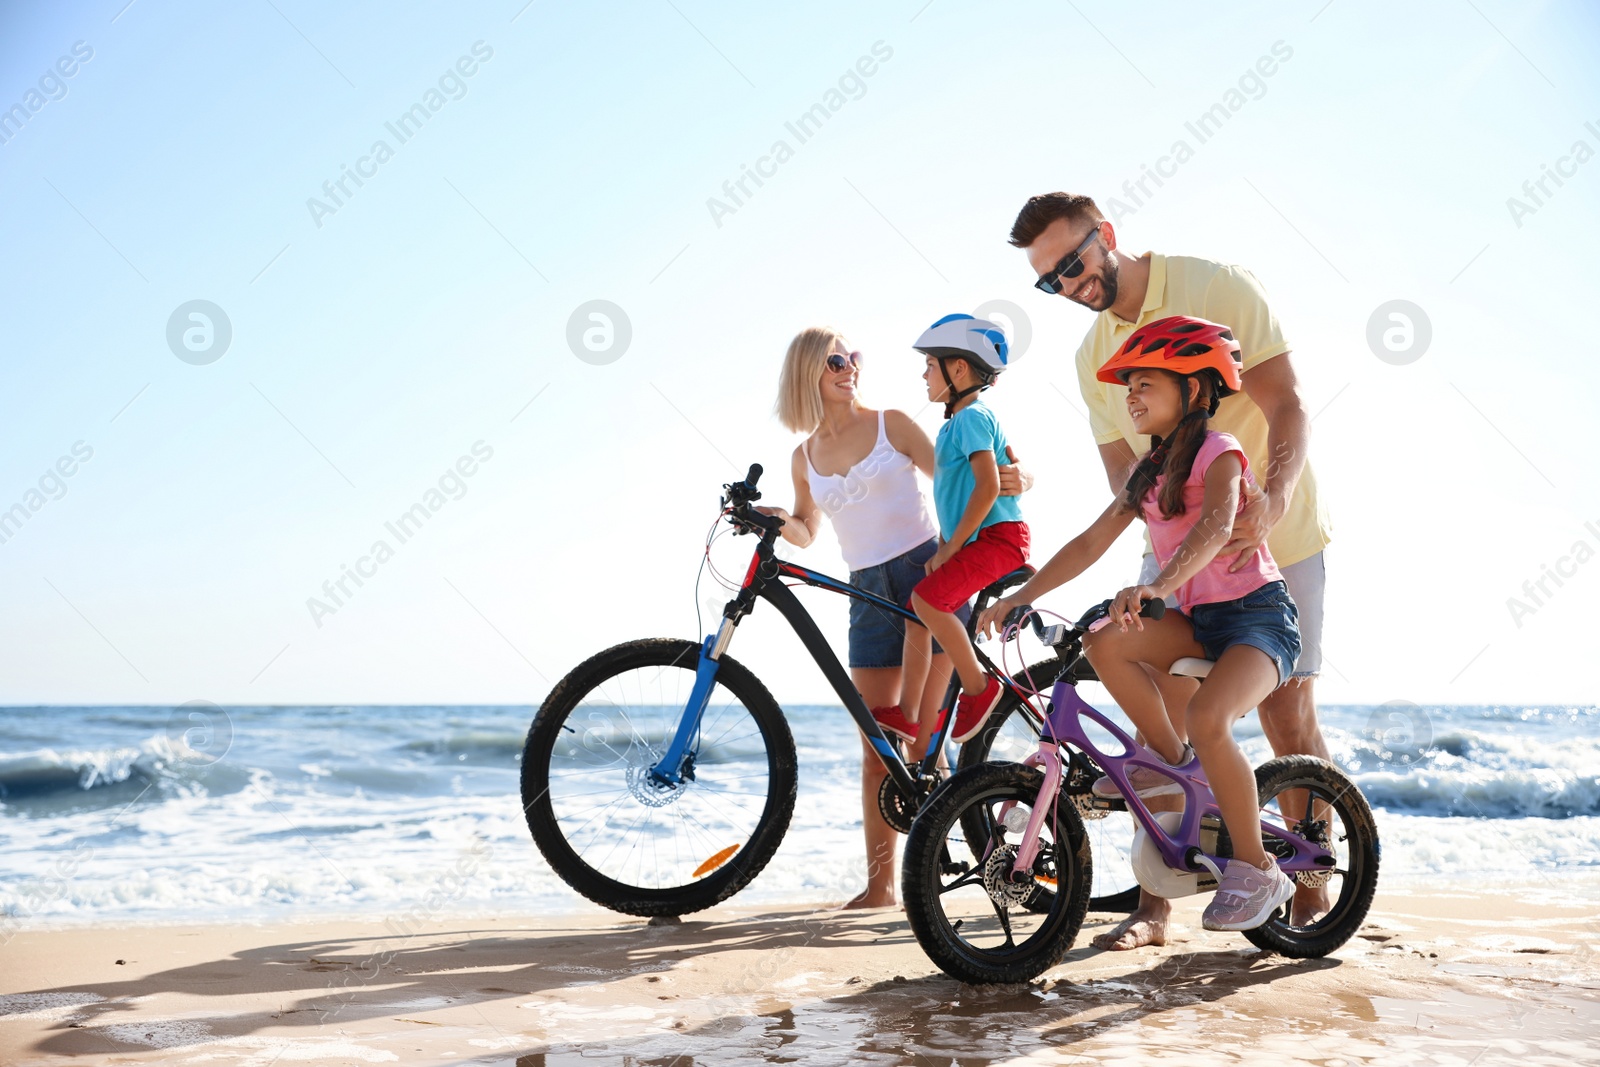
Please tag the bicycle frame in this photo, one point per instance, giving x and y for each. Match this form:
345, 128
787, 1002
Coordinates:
1180, 850
764, 581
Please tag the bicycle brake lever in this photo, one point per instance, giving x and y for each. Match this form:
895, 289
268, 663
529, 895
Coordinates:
1015, 616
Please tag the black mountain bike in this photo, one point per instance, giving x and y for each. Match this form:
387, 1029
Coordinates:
659, 776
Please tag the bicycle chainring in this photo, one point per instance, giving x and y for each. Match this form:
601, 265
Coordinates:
896, 808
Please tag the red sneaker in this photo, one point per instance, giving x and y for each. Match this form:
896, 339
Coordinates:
894, 723
972, 711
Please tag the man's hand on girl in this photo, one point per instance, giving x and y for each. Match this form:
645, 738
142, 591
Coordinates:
939, 558
1251, 525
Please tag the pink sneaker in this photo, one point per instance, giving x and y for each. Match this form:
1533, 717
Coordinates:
1247, 897
973, 711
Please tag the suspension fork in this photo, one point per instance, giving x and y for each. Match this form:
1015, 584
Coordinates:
1043, 808
676, 764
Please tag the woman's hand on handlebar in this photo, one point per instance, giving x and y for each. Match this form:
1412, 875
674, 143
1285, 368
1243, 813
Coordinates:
995, 614
1126, 604
793, 530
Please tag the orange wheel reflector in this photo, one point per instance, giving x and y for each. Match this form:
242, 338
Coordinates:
1045, 879
715, 861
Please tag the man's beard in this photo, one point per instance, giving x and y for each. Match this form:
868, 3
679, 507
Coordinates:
1108, 285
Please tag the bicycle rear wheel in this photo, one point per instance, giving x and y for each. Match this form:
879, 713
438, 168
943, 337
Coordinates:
625, 843
1012, 734
968, 916
1313, 798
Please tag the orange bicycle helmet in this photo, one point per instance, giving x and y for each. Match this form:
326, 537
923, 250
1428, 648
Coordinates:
1183, 345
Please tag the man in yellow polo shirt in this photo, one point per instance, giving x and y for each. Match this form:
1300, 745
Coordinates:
1073, 250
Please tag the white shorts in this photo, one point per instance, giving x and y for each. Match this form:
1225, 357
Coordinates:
1307, 582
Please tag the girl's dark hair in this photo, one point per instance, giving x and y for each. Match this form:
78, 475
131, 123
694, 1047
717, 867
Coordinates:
1173, 456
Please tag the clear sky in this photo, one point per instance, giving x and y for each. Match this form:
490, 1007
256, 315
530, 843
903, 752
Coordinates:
549, 155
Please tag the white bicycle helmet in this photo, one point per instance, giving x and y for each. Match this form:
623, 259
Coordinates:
980, 342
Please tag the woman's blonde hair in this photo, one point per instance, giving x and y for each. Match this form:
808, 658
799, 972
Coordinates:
799, 405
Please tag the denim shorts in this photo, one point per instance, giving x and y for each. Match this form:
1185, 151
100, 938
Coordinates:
877, 636
1307, 582
1265, 618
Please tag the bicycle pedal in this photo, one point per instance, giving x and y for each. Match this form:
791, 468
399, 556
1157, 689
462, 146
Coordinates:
1090, 806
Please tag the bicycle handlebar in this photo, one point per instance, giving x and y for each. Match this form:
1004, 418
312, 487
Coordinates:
1057, 635
737, 498
745, 492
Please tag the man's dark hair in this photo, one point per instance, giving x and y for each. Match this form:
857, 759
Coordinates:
1040, 211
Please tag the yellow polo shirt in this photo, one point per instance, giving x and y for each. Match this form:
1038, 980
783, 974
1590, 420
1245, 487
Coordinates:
1183, 285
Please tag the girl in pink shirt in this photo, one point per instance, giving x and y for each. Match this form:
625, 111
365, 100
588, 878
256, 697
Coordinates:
1235, 611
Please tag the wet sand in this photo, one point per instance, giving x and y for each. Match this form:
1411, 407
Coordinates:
1491, 977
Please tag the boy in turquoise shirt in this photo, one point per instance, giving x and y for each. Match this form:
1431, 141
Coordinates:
982, 535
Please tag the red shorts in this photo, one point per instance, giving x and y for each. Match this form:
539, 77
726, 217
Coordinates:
999, 550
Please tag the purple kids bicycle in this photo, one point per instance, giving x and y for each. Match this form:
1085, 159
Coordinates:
997, 867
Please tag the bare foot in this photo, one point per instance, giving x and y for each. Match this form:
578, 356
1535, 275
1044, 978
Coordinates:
1131, 933
868, 899
1310, 904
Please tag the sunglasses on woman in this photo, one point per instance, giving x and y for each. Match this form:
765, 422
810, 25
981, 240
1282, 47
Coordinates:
839, 364
1071, 266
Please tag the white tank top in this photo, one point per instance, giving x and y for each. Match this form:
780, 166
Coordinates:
876, 507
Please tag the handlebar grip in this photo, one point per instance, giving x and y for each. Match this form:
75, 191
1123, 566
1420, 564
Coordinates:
753, 476
1015, 615
1153, 608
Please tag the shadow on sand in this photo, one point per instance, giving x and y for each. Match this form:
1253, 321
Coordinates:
755, 1014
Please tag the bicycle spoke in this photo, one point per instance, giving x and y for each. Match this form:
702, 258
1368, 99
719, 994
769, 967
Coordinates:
1003, 913
973, 877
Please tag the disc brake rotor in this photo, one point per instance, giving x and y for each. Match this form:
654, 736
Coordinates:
1317, 834
997, 878
648, 791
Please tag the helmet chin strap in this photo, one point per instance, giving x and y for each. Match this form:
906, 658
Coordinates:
953, 395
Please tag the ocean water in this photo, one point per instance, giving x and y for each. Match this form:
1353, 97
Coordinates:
139, 814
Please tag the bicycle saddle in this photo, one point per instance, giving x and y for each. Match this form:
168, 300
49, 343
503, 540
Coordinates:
997, 589
1191, 666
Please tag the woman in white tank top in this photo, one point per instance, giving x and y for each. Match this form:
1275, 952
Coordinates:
858, 467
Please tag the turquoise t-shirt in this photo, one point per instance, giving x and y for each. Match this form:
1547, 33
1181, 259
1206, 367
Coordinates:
972, 429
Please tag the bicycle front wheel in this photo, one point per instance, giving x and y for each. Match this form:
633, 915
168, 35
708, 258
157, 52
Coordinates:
970, 917
1012, 734
621, 840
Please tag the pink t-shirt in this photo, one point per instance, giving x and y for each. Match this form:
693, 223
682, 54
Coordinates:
1213, 584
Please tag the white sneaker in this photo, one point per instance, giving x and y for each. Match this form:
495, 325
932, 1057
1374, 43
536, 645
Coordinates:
1247, 897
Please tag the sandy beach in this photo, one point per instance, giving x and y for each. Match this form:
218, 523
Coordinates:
1433, 978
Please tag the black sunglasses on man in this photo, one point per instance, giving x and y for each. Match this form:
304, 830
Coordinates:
1071, 266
